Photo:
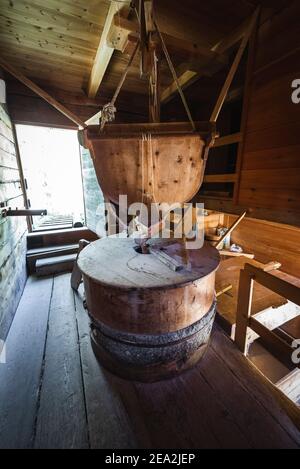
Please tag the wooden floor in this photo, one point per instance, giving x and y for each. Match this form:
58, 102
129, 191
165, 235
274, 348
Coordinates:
53, 393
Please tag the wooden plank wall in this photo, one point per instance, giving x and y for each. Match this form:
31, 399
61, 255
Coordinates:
12, 230
93, 196
269, 241
270, 166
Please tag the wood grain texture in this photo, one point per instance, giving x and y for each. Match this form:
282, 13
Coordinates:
229, 272
269, 241
120, 285
167, 168
57, 41
224, 402
108, 421
65, 410
270, 161
12, 230
20, 376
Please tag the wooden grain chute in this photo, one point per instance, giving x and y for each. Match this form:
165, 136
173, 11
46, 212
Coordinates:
150, 162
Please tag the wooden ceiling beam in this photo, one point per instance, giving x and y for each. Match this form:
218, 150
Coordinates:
42, 93
123, 30
190, 75
104, 51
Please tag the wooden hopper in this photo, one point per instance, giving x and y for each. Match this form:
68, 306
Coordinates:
162, 162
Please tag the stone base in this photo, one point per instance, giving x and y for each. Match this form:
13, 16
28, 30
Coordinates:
149, 358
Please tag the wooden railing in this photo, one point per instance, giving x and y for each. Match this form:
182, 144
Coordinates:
280, 283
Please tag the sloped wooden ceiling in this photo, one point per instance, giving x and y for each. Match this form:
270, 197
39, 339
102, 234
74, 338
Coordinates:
54, 42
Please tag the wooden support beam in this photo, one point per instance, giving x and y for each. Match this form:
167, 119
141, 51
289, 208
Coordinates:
40, 92
245, 295
230, 230
234, 67
279, 347
279, 282
220, 178
222, 47
104, 51
183, 79
122, 31
228, 140
283, 284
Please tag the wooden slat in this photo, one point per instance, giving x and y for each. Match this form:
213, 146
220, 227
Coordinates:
19, 27
220, 178
281, 409
13, 270
12, 231
271, 124
273, 188
269, 240
283, 284
9, 191
6, 146
61, 419
20, 377
42, 18
109, 426
277, 346
281, 157
236, 388
87, 12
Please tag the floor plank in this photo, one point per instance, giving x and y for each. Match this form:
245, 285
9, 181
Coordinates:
180, 413
109, 426
61, 420
254, 383
251, 417
20, 376
54, 394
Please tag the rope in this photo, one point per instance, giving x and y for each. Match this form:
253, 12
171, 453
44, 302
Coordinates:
143, 176
152, 167
175, 78
125, 73
109, 109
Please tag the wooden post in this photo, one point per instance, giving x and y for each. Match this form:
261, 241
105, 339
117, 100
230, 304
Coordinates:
234, 67
243, 310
